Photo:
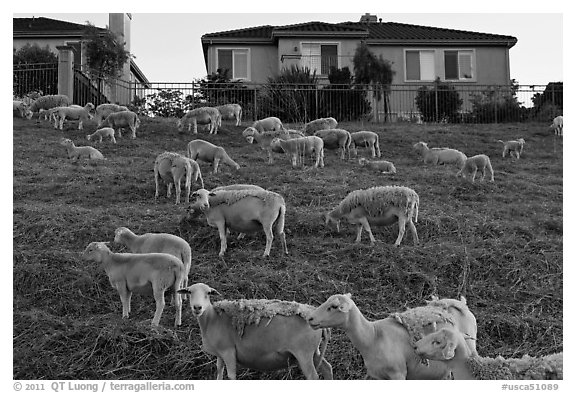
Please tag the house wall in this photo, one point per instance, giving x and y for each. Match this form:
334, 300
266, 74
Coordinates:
262, 58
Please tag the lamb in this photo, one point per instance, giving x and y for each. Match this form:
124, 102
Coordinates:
106, 132
365, 139
73, 113
440, 155
242, 211
137, 272
264, 139
48, 102
76, 153
336, 139
380, 165
479, 162
119, 120
202, 115
103, 110
231, 112
382, 206
199, 149
557, 125
299, 148
448, 345
157, 242
172, 167
514, 147
386, 345
258, 334
268, 124
325, 123
21, 109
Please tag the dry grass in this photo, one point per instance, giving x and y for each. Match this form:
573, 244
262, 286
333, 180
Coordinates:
499, 244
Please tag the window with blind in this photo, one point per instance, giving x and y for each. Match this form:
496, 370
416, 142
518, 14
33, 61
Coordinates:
458, 64
236, 61
420, 65
319, 57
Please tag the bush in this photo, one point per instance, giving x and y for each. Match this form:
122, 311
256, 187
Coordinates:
341, 99
440, 103
496, 105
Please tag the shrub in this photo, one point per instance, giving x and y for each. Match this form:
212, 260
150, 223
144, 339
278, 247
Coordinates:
496, 105
340, 99
439, 103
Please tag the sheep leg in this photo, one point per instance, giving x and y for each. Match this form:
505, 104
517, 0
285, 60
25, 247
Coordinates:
169, 191
366, 226
401, 229
177, 302
177, 189
156, 176
81, 126
125, 296
119, 132
61, 123
269, 239
373, 150
474, 174
216, 163
219, 368
413, 230
325, 369
100, 139
229, 358
160, 303
358, 233
133, 129
222, 233
306, 365
113, 139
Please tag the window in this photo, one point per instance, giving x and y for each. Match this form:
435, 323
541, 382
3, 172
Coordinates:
458, 64
319, 57
235, 61
420, 65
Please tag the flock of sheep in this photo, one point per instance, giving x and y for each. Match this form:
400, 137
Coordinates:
443, 331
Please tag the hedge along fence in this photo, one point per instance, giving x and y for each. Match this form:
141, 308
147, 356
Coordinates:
440, 102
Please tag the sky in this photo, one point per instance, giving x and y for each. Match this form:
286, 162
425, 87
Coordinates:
167, 46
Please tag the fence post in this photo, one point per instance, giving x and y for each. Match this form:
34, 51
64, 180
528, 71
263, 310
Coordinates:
255, 111
437, 117
316, 106
66, 71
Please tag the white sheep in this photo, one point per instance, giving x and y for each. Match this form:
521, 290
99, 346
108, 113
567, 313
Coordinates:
231, 112
387, 345
199, 149
365, 139
382, 206
557, 125
73, 113
380, 165
268, 124
325, 123
336, 139
242, 211
21, 109
258, 334
440, 155
79, 152
136, 272
123, 119
300, 148
103, 110
514, 147
264, 139
202, 115
48, 102
172, 168
157, 242
106, 132
472, 165
448, 345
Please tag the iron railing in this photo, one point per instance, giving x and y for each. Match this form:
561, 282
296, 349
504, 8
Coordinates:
39, 77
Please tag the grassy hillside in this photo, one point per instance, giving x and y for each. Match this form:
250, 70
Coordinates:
498, 244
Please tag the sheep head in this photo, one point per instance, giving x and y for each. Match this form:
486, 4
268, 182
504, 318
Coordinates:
95, 251
199, 297
440, 345
332, 313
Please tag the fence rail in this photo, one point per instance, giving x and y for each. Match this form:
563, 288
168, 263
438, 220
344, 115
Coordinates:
35, 77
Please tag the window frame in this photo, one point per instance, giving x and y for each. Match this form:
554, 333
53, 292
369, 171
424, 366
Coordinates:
248, 62
320, 43
473, 68
434, 56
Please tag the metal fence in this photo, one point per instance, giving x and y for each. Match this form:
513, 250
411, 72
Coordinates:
40, 77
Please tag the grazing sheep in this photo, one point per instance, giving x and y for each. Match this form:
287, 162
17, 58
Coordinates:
202, 115
514, 148
440, 155
557, 125
106, 132
258, 334
448, 345
365, 139
137, 272
479, 162
325, 123
299, 148
242, 211
386, 345
103, 110
20, 109
336, 139
268, 124
382, 206
48, 102
199, 149
73, 113
76, 153
157, 242
172, 167
231, 112
380, 166
123, 119
264, 139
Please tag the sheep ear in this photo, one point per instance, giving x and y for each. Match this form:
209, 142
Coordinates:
214, 292
344, 305
184, 291
211, 194
448, 350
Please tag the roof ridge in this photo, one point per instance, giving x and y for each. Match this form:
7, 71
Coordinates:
240, 30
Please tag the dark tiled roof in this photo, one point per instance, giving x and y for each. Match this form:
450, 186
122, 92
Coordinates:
320, 27
263, 32
45, 25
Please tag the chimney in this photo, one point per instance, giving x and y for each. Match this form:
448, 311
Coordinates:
119, 24
368, 18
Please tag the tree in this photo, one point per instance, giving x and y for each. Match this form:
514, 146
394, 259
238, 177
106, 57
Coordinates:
374, 71
35, 70
33, 54
105, 53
